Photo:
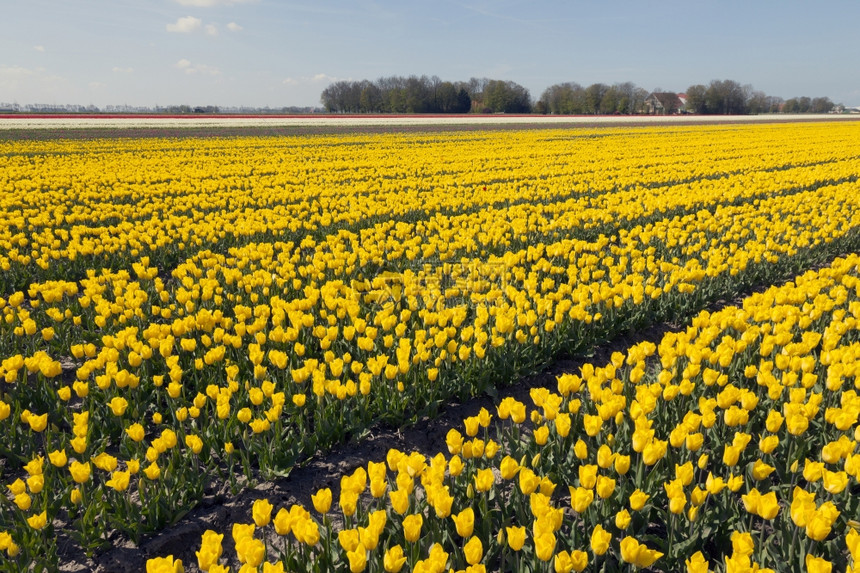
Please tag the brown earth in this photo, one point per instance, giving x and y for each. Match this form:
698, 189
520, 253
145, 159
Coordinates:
443, 125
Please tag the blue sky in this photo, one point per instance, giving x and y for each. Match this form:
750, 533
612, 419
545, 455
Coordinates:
279, 53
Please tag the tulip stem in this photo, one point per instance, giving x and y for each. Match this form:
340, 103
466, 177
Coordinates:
758, 551
328, 539
792, 546
672, 517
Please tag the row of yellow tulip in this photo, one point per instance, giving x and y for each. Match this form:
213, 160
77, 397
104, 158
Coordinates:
160, 198
480, 247
525, 300
256, 356
709, 449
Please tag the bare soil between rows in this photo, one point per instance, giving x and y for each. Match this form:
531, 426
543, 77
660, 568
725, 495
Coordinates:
270, 126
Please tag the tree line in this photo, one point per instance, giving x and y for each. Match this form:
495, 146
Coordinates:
730, 97
414, 94
571, 98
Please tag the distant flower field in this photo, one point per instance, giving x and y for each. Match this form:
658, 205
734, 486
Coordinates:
183, 311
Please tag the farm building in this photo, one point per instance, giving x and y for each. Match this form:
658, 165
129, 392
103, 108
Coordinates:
663, 103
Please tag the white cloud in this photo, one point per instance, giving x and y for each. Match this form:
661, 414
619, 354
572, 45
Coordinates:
305, 80
210, 3
212, 29
119, 70
11, 73
185, 25
234, 27
31, 84
207, 70
201, 69
39, 48
96, 85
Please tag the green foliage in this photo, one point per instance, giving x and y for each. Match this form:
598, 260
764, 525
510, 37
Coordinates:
399, 95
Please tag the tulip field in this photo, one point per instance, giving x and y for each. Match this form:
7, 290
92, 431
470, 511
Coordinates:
181, 313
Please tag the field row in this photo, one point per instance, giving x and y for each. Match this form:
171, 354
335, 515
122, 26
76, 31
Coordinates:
736, 437
128, 389
166, 199
119, 122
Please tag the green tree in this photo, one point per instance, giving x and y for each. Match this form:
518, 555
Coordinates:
725, 97
567, 98
464, 102
506, 97
594, 96
696, 98
821, 105
371, 98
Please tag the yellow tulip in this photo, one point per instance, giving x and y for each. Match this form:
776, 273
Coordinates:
528, 481
80, 471
600, 540
742, 543
834, 482
768, 444
587, 476
697, 563
58, 458
541, 435
210, 550
638, 499
23, 501
152, 471
399, 500
473, 550
454, 440
768, 506
761, 470
38, 423
322, 500
579, 560
119, 480
605, 486
580, 449
394, 559
412, 527
818, 526
545, 546
516, 537
135, 432
654, 452
637, 554
484, 479
195, 443
592, 424
261, 512
817, 564
562, 563
731, 455
465, 522
164, 565
581, 498
508, 468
